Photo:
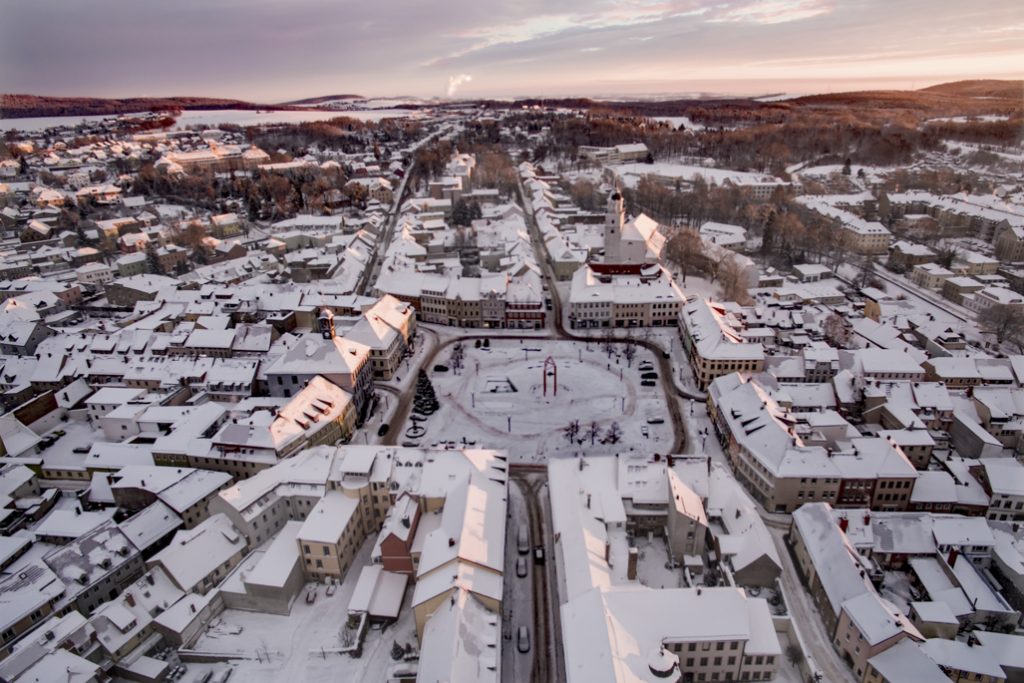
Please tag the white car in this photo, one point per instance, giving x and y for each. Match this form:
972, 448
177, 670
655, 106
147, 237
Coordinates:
523, 639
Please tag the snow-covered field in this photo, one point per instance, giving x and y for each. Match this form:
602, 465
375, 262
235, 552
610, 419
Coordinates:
985, 118
506, 381
1008, 153
217, 117
630, 174
676, 121
37, 123
872, 174
288, 648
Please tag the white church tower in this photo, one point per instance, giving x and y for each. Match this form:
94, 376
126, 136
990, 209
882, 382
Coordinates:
614, 219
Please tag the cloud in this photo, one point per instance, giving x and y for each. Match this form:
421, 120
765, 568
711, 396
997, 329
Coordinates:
269, 50
455, 82
774, 11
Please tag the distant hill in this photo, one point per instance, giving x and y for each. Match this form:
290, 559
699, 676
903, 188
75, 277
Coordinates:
324, 98
982, 88
964, 96
21, 106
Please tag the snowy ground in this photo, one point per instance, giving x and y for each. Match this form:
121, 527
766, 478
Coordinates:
217, 117
497, 400
77, 434
650, 566
896, 589
676, 121
785, 672
293, 647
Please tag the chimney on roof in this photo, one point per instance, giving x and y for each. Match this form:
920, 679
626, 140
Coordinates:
844, 524
867, 518
451, 542
951, 558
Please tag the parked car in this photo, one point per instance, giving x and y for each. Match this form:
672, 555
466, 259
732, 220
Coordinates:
523, 639
649, 375
655, 420
383, 429
521, 567
440, 368
647, 383
523, 540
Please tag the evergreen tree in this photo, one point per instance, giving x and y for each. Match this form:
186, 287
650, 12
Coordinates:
152, 260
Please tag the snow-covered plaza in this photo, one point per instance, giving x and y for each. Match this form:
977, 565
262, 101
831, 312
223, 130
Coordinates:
497, 399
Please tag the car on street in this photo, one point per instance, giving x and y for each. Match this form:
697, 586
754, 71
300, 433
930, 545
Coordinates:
521, 567
538, 554
383, 429
523, 639
523, 541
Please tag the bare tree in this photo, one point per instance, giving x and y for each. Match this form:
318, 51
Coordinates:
733, 281
836, 331
630, 353
593, 431
1005, 322
867, 277
946, 254
614, 433
685, 250
571, 430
